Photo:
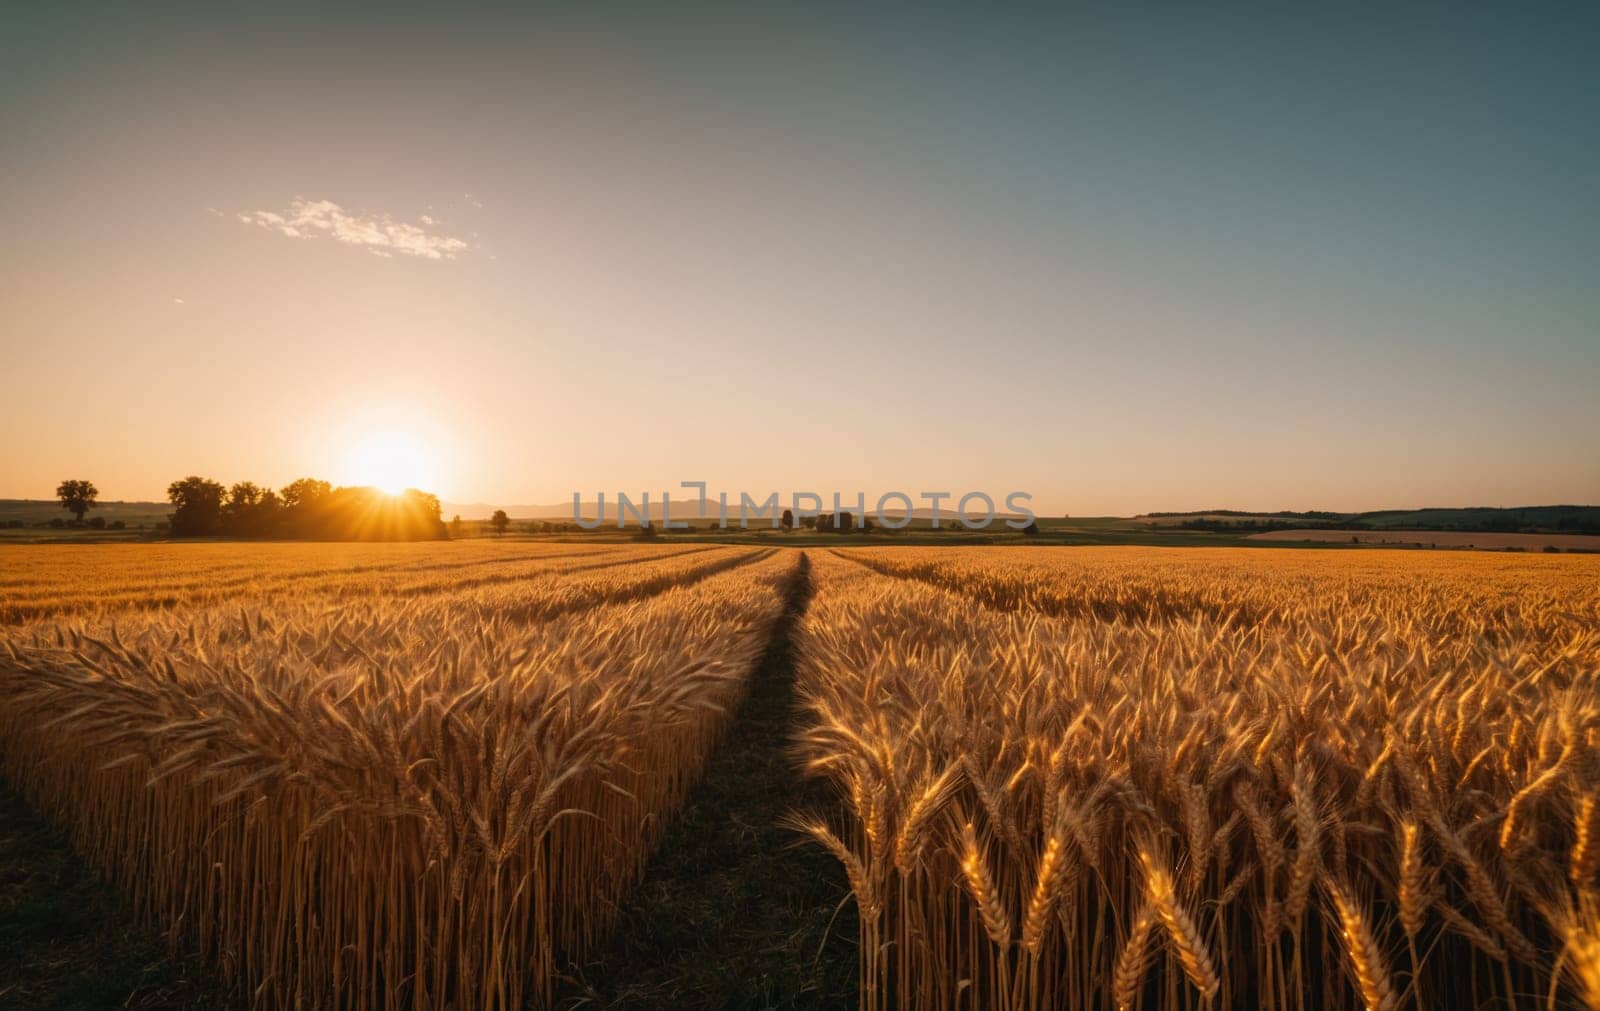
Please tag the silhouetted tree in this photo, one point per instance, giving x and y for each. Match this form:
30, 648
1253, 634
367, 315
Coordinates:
241, 502
305, 506
788, 519
368, 514
251, 511
1032, 529
455, 525
499, 521
307, 491
198, 506
243, 495
77, 497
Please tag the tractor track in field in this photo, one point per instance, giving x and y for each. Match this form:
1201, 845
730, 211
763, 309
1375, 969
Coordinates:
735, 910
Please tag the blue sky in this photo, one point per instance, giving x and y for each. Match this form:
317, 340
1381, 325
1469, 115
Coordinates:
1136, 259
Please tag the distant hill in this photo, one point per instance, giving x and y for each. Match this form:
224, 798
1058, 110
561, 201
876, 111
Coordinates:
1555, 519
682, 509
1563, 519
687, 508
36, 511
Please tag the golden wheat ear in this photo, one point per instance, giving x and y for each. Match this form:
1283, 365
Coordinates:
1584, 861
1579, 927
1133, 959
1194, 954
1367, 965
980, 883
855, 868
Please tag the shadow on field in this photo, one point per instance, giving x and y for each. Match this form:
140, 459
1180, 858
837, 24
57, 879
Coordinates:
67, 942
736, 911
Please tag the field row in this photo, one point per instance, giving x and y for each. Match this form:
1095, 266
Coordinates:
1457, 594
417, 802
187, 577
1250, 779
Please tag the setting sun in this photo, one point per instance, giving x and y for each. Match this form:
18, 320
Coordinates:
390, 462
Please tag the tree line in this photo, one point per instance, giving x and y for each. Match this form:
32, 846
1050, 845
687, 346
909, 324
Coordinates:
307, 508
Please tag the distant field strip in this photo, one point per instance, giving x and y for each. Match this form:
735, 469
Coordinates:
1438, 538
95, 589
1107, 788
616, 585
68, 563
91, 576
414, 800
1538, 594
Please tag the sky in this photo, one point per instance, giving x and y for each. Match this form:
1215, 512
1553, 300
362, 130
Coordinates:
1123, 260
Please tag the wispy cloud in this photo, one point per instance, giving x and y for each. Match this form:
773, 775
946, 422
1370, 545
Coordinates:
380, 235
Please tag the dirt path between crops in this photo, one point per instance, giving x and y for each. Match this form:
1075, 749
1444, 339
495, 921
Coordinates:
67, 942
736, 911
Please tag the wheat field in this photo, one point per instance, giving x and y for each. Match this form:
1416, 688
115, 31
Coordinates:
1134, 778
399, 778
427, 776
